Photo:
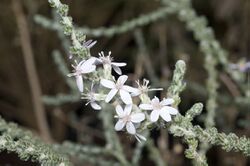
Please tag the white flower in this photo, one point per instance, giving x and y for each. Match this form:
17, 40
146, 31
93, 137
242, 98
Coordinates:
88, 44
160, 109
242, 66
80, 68
144, 88
91, 97
107, 60
118, 87
126, 118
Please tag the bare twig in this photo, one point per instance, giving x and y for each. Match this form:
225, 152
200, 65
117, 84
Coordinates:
31, 69
234, 90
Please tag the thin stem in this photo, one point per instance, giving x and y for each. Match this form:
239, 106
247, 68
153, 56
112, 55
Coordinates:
111, 137
33, 79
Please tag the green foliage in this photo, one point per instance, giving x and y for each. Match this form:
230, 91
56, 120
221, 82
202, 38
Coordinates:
27, 146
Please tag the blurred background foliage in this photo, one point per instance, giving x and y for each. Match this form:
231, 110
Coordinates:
166, 41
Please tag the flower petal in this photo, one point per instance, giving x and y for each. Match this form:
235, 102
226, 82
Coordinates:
98, 61
119, 111
118, 64
88, 69
88, 44
128, 109
110, 95
95, 106
119, 125
136, 93
155, 100
107, 83
89, 62
138, 117
129, 89
80, 63
79, 82
165, 115
146, 106
154, 116
140, 137
167, 101
125, 96
117, 69
170, 110
130, 128
88, 66
122, 79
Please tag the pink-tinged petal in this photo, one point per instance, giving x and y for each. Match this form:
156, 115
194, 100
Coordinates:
92, 44
170, 110
80, 63
117, 69
155, 100
128, 109
98, 61
118, 64
79, 82
88, 69
165, 115
119, 111
136, 93
129, 89
146, 106
119, 125
167, 101
125, 96
88, 44
122, 79
107, 83
130, 128
90, 61
137, 118
95, 106
154, 116
88, 65
110, 95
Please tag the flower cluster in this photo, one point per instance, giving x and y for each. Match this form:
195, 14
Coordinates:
241, 66
129, 115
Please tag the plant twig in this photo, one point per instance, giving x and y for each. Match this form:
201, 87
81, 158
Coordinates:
31, 70
28, 146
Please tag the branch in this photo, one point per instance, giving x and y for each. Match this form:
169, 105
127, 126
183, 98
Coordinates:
27, 146
113, 30
31, 70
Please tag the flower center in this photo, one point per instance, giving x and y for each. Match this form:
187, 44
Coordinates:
118, 85
242, 66
91, 96
78, 71
144, 89
106, 60
156, 106
126, 118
